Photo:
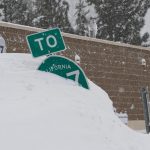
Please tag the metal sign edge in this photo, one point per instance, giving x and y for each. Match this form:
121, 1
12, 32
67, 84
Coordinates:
72, 62
43, 32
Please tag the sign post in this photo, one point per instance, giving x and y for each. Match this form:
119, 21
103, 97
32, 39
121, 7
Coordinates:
47, 42
146, 107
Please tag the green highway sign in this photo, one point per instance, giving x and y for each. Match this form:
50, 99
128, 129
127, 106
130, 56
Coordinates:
43, 43
65, 68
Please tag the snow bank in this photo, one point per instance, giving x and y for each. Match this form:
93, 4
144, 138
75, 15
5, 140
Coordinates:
42, 111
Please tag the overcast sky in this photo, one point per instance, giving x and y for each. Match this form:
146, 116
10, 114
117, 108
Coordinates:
146, 28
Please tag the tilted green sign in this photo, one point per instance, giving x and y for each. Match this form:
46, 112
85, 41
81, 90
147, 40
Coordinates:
66, 68
46, 42
49, 42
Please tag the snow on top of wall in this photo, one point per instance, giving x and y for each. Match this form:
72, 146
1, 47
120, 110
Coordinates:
34, 29
21, 27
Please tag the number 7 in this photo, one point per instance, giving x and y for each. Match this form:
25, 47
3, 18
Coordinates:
76, 73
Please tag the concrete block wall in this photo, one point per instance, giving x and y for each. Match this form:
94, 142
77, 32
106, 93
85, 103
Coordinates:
116, 67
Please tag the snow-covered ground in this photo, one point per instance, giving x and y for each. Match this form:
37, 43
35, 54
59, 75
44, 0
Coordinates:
42, 111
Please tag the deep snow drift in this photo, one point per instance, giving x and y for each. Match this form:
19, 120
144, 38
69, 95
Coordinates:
42, 111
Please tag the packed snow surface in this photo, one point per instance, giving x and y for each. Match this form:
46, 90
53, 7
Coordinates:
42, 111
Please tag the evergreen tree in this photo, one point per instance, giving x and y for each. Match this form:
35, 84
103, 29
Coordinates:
146, 40
121, 20
2, 9
30, 15
1, 12
52, 13
14, 11
81, 21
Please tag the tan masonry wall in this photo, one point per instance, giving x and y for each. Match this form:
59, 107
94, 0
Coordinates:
116, 67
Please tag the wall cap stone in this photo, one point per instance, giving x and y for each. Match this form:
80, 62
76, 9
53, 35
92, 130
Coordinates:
34, 29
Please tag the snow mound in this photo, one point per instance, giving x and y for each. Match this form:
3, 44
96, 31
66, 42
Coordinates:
42, 111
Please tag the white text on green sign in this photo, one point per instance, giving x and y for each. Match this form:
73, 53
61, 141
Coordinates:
65, 68
50, 41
